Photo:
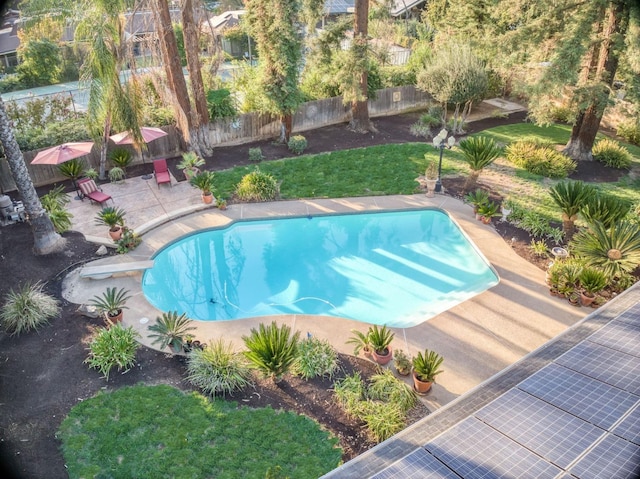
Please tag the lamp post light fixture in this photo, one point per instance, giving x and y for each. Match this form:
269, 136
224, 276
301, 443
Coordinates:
441, 142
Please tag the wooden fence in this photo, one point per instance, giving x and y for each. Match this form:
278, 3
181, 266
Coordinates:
246, 128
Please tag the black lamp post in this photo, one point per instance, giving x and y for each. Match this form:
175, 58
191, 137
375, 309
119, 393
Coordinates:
441, 142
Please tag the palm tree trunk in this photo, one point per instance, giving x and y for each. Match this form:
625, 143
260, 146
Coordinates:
360, 109
45, 238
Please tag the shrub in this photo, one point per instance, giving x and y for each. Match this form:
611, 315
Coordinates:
216, 369
220, 104
128, 241
255, 154
72, 169
479, 152
297, 144
604, 208
257, 186
612, 154
316, 357
54, 203
570, 197
426, 123
27, 308
115, 346
121, 157
170, 330
629, 131
349, 392
383, 419
272, 349
538, 248
561, 114
116, 174
386, 387
540, 158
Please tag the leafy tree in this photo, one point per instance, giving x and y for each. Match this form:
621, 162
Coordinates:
455, 75
40, 62
46, 240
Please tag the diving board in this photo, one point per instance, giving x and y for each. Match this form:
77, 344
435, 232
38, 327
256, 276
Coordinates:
106, 270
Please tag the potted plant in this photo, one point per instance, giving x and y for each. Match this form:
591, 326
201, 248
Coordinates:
431, 178
426, 366
477, 198
361, 342
488, 210
171, 330
221, 203
380, 339
402, 362
113, 217
111, 303
592, 281
190, 164
204, 182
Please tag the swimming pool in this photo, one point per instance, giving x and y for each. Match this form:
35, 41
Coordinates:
394, 268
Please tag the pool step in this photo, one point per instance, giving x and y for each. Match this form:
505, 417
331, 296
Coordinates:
106, 270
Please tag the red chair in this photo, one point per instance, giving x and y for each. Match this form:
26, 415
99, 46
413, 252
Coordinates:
89, 189
161, 172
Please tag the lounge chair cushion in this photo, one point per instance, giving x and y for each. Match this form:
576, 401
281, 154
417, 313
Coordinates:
162, 171
90, 190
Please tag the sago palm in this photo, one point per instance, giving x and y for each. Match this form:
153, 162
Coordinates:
570, 196
272, 349
479, 152
606, 209
615, 251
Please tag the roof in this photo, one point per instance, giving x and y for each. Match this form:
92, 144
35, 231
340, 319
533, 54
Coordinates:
400, 7
570, 408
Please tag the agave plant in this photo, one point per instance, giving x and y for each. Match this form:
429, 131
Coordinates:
616, 251
170, 330
570, 196
479, 152
272, 349
606, 209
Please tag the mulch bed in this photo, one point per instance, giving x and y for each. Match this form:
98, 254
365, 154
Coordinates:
42, 374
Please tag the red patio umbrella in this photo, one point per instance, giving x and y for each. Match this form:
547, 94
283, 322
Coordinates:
61, 153
148, 134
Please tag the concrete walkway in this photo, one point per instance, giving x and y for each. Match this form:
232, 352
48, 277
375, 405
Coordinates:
477, 338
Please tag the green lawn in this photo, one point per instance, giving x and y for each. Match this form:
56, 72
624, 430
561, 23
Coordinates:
161, 432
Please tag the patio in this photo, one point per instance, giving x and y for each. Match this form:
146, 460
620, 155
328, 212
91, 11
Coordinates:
478, 338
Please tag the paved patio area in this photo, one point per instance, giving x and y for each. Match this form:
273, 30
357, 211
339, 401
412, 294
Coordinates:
478, 338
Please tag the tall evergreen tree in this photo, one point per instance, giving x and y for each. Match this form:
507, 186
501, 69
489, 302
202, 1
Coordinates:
359, 52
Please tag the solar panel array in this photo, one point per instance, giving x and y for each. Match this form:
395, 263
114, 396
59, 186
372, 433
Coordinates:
578, 417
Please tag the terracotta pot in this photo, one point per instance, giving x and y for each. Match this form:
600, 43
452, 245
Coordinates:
421, 387
486, 219
367, 353
403, 372
478, 216
383, 359
115, 233
586, 300
113, 319
208, 198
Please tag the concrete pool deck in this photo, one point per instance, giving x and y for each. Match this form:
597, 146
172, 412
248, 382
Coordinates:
477, 338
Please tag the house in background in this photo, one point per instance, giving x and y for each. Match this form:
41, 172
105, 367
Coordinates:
9, 41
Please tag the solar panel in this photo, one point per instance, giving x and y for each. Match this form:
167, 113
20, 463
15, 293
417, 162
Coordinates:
580, 395
612, 458
548, 431
620, 335
629, 428
605, 364
417, 465
631, 315
473, 449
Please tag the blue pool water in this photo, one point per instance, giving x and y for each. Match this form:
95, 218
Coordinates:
393, 268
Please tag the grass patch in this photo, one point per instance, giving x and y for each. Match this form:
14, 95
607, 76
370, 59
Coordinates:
159, 431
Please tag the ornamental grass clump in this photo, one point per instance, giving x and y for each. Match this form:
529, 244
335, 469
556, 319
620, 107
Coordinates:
297, 144
272, 349
257, 186
316, 358
540, 158
27, 308
54, 204
612, 154
217, 369
114, 346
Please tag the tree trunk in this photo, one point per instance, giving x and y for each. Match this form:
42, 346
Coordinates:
583, 133
200, 122
45, 238
286, 126
173, 69
102, 173
360, 109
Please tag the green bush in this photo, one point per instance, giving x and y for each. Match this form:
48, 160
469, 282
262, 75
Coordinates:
606, 209
69, 130
425, 124
387, 388
257, 186
220, 104
561, 114
12, 82
54, 204
383, 419
540, 158
128, 241
316, 357
629, 131
272, 349
255, 154
216, 369
297, 144
115, 346
121, 157
27, 308
611, 154
116, 174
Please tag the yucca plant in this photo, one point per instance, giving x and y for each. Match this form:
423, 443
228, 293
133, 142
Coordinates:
316, 357
616, 251
606, 209
479, 152
115, 346
170, 330
592, 280
27, 308
570, 197
272, 349
217, 369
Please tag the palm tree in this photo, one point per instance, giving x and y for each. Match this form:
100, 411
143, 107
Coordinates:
479, 152
45, 238
110, 102
570, 196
